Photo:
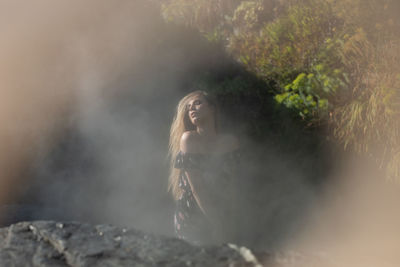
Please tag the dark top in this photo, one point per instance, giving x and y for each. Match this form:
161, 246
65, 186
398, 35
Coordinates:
217, 172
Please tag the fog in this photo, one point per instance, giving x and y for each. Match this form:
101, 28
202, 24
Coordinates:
355, 221
88, 95
64, 66
88, 91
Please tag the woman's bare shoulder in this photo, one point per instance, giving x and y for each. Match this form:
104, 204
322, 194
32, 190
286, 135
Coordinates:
188, 143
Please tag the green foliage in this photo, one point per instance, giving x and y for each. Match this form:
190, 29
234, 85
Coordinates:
331, 61
300, 95
302, 52
247, 15
310, 92
211, 17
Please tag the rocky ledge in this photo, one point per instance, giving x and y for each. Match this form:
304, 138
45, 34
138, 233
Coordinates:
48, 243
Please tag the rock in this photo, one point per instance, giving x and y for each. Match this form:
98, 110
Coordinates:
49, 243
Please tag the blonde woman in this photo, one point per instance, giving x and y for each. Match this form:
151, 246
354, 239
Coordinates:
203, 163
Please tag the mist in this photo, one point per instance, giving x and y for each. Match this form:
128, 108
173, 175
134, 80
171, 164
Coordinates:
67, 141
88, 92
88, 95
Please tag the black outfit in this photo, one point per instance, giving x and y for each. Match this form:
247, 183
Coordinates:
218, 175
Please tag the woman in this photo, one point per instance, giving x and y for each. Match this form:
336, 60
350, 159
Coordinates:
202, 179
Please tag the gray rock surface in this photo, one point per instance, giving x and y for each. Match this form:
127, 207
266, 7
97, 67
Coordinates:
48, 243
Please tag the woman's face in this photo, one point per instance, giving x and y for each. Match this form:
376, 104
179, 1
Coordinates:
199, 110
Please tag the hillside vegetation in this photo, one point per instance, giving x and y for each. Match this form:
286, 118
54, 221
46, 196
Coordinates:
334, 63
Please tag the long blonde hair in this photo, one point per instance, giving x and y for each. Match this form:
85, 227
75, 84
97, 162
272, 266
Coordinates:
180, 124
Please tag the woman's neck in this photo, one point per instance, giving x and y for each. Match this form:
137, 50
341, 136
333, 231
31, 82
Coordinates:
207, 131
